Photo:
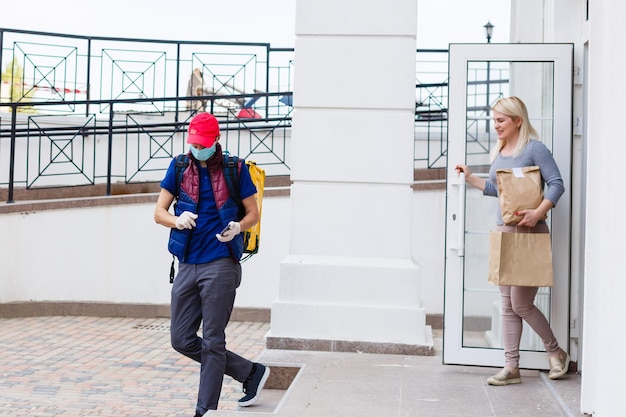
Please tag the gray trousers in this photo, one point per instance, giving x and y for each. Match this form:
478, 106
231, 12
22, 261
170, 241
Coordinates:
205, 294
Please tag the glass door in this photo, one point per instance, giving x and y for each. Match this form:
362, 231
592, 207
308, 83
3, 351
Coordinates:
541, 75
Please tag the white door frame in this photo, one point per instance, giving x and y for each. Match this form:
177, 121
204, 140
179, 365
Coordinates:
460, 54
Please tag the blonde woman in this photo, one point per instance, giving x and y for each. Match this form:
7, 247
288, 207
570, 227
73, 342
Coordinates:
517, 146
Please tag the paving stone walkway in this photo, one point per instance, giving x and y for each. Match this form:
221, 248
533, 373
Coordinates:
66, 366
92, 366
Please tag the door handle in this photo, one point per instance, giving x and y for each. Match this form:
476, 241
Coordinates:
460, 217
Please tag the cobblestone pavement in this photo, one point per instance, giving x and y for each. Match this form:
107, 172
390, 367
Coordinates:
93, 366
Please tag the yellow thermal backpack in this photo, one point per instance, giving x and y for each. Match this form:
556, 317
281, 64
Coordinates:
252, 236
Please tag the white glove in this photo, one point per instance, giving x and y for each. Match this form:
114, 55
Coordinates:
231, 231
186, 220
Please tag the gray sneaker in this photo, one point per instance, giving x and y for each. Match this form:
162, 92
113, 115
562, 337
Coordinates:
506, 376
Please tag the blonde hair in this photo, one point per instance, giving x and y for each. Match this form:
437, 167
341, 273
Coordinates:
514, 108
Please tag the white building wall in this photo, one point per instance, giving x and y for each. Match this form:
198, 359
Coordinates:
605, 263
118, 254
100, 254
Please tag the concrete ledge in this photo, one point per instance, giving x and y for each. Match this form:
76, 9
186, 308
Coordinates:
98, 309
429, 179
74, 203
61, 198
95, 309
281, 376
284, 343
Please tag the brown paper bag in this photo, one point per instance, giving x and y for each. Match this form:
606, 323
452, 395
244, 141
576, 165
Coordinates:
522, 259
518, 189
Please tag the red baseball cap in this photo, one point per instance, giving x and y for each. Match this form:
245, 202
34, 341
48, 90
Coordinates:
203, 130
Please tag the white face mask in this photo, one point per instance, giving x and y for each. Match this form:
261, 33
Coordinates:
203, 154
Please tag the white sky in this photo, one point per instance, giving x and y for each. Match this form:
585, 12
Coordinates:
440, 22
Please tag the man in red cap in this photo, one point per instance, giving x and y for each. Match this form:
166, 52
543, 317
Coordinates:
205, 237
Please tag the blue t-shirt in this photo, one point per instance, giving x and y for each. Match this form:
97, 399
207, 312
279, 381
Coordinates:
203, 246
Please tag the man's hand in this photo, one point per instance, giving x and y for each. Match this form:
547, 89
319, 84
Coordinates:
186, 220
231, 231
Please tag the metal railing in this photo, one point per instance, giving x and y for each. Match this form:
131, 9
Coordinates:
69, 100
73, 99
431, 108
487, 82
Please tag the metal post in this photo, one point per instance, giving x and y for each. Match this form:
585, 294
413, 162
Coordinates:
177, 81
110, 150
88, 96
12, 155
267, 81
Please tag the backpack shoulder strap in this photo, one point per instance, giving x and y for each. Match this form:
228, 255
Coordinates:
182, 162
231, 175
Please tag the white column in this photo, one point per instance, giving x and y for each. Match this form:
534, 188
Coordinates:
349, 275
